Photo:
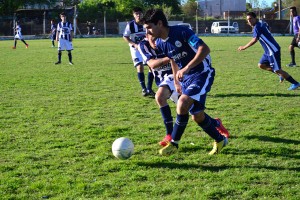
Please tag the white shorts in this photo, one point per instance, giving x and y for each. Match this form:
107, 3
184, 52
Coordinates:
19, 36
169, 81
64, 45
136, 56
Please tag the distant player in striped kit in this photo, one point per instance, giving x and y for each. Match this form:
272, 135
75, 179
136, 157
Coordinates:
53, 32
133, 34
195, 74
64, 38
271, 59
18, 36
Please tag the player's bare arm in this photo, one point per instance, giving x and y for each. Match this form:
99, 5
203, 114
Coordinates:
128, 40
252, 42
175, 69
158, 62
201, 54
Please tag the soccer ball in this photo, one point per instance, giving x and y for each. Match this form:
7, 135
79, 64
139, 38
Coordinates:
122, 148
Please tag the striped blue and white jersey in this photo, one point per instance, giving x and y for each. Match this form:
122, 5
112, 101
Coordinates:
267, 41
148, 53
18, 30
134, 31
182, 45
64, 30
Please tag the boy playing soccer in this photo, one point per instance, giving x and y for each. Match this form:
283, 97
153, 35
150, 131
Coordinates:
64, 38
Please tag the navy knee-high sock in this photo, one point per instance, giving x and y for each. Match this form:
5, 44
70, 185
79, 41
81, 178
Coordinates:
167, 117
150, 81
209, 126
179, 126
293, 56
141, 77
59, 56
70, 56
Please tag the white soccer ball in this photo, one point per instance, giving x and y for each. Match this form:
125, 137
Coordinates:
122, 148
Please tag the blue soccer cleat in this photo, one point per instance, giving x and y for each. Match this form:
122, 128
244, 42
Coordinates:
294, 86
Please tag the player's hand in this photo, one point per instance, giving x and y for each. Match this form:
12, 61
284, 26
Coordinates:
241, 48
177, 87
180, 74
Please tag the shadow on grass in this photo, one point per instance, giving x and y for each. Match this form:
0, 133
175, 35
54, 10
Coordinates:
174, 165
273, 139
255, 95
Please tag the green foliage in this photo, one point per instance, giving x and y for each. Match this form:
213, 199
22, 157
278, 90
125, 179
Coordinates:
58, 122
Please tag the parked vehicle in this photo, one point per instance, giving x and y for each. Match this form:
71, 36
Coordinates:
221, 27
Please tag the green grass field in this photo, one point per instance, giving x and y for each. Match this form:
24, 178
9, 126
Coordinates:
58, 122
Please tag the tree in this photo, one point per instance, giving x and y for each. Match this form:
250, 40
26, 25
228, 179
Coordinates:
189, 8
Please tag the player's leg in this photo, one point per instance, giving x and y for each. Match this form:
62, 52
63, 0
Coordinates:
141, 77
150, 83
15, 43
24, 43
183, 105
292, 53
70, 57
58, 57
138, 64
161, 97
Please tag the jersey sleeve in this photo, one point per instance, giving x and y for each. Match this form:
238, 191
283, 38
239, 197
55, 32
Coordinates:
127, 31
145, 51
192, 39
71, 27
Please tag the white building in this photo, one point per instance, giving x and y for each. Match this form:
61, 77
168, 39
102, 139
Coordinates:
216, 8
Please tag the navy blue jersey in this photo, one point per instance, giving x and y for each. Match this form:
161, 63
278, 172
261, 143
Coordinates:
267, 41
182, 45
148, 53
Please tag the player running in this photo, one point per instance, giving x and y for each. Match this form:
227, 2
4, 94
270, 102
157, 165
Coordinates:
163, 75
296, 38
64, 38
196, 77
18, 36
133, 34
271, 59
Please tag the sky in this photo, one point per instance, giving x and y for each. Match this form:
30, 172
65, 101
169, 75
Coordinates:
268, 2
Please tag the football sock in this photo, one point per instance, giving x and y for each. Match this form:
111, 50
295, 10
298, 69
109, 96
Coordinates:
179, 126
141, 77
291, 80
167, 117
293, 56
53, 43
150, 81
209, 126
70, 56
59, 56
24, 42
15, 43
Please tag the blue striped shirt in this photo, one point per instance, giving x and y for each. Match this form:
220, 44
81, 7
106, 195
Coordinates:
267, 41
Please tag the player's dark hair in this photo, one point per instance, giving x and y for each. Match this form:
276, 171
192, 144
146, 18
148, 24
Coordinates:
63, 13
155, 15
137, 9
252, 14
294, 9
